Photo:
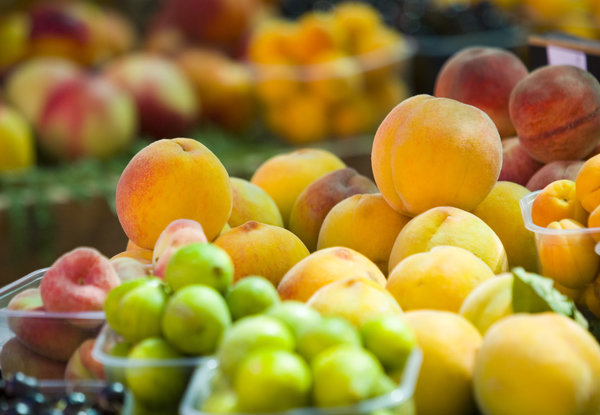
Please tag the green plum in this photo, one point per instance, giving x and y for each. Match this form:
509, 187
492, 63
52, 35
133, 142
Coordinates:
345, 375
295, 314
252, 333
151, 382
200, 263
195, 319
326, 332
134, 308
270, 380
389, 338
251, 295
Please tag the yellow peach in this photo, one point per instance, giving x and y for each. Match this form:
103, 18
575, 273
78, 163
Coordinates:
259, 249
355, 299
568, 257
501, 211
431, 152
171, 179
250, 202
447, 225
586, 184
439, 279
365, 223
324, 267
286, 175
557, 201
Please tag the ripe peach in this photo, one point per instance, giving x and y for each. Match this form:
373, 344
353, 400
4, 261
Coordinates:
52, 338
82, 365
556, 112
568, 258
365, 223
86, 117
588, 184
555, 170
78, 281
483, 77
178, 233
163, 95
259, 249
15, 357
432, 152
323, 267
286, 175
354, 298
502, 212
250, 202
447, 225
16, 140
172, 179
222, 85
31, 82
141, 255
439, 279
557, 201
129, 268
517, 164
317, 199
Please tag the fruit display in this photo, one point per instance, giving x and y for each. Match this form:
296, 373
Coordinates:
440, 285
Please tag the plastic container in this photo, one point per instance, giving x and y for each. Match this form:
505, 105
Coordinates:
115, 368
397, 400
39, 343
554, 244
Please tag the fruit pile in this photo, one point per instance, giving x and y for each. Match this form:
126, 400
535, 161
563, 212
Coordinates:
340, 69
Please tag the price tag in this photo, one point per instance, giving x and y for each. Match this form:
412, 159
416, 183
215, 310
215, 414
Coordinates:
563, 56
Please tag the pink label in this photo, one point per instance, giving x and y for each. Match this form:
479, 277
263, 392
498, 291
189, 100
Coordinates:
564, 56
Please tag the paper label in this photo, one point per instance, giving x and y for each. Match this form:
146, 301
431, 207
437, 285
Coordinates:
563, 56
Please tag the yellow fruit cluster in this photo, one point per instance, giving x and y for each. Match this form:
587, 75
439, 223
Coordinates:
569, 257
328, 74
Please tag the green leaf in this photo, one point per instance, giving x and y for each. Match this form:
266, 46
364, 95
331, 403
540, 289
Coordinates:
533, 293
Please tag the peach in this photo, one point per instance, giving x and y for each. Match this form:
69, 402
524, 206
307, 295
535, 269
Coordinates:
51, 337
556, 112
286, 175
315, 35
15, 357
557, 201
222, 85
323, 267
220, 23
365, 223
590, 297
16, 140
333, 77
178, 233
588, 184
439, 279
130, 268
568, 258
317, 199
82, 365
354, 298
517, 164
86, 117
432, 152
250, 202
79, 280
502, 212
354, 116
31, 82
172, 179
259, 249
483, 77
594, 220
141, 255
447, 225
163, 95
555, 170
